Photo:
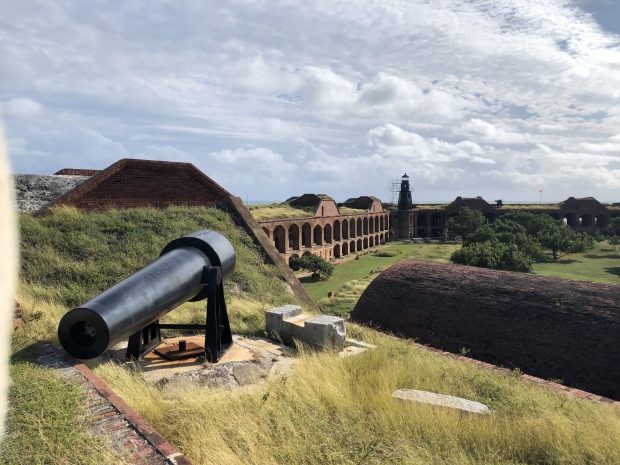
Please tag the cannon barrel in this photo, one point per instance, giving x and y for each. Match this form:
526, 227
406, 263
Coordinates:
176, 277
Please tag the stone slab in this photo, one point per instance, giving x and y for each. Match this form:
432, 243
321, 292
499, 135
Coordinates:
441, 400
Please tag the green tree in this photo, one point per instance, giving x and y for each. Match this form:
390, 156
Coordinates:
615, 241
557, 238
465, 223
614, 226
493, 254
319, 267
532, 222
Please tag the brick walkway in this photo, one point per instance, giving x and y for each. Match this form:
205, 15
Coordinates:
127, 433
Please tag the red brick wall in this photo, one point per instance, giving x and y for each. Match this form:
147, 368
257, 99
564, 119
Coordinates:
149, 185
547, 327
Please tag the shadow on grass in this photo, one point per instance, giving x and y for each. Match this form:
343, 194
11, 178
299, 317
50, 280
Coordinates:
565, 261
612, 256
309, 279
613, 270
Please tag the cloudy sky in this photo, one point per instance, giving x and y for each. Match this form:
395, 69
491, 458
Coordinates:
271, 98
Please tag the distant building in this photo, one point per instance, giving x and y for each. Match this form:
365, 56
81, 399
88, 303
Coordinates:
327, 229
582, 214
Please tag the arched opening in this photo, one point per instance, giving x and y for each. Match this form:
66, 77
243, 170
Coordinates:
371, 225
293, 262
279, 238
365, 226
601, 221
377, 240
327, 233
570, 220
306, 235
360, 231
293, 237
337, 251
336, 230
387, 222
381, 223
345, 249
381, 238
371, 241
377, 224
266, 231
435, 219
318, 235
352, 227
586, 221
345, 229
352, 248
359, 246
365, 243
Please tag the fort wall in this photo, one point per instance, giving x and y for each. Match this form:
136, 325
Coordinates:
547, 327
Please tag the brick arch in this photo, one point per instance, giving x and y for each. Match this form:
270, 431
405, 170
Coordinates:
371, 241
359, 245
352, 246
360, 227
345, 229
371, 225
337, 251
293, 237
337, 230
317, 235
327, 233
279, 238
352, 227
306, 235
345, 249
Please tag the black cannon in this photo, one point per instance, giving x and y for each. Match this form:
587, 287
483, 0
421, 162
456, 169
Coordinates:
190, 268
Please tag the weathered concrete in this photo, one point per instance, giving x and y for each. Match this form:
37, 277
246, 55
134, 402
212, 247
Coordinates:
441, 400
288, 324
34, 191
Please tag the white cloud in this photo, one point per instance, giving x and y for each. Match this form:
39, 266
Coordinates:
338, 95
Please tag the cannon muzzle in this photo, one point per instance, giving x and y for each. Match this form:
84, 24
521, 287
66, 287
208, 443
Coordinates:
189, 268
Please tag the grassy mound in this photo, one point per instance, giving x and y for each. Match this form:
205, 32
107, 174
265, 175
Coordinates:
332, 410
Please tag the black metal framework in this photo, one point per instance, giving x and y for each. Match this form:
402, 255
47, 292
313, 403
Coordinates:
218, 337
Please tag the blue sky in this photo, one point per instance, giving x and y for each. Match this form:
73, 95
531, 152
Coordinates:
498, 98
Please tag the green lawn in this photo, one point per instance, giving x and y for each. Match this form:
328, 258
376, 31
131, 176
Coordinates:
599, 265
351, 278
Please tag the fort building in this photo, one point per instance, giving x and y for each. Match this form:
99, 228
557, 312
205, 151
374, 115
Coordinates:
316, 224
429, 220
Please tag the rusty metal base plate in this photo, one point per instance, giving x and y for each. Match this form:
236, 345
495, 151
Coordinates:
173, 352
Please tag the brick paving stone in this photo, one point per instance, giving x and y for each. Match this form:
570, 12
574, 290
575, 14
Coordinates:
108, 421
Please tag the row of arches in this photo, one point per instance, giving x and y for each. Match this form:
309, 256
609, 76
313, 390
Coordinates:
349, 247
585, 220
296, 237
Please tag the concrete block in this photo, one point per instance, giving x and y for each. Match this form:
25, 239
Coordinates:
441, 400
287, 323
325, 331
274, 320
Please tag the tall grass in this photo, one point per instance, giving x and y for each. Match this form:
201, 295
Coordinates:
340, 411
70, 256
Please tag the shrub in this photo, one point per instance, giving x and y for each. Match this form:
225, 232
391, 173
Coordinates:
319, 267
466, 222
